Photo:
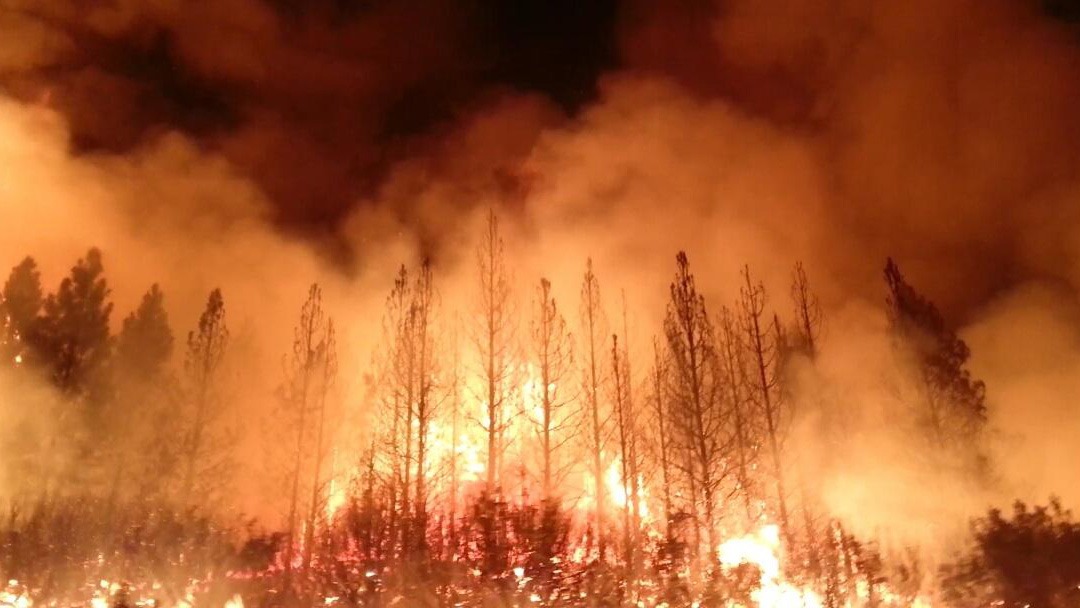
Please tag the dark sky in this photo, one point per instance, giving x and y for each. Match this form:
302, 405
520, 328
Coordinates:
333, 90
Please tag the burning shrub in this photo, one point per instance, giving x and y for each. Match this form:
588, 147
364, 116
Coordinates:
73, 550
1031, 559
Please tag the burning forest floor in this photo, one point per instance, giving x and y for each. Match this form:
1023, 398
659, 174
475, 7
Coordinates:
88, 552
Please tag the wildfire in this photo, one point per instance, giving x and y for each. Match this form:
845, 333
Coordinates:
763, 550
620, 494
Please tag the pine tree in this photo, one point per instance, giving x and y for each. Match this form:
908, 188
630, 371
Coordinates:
661, 423
494, 339
75, 328
20, 305
145, 342
140, 414
395, 386
309, 375
955, 403
765, 389
744, 432
205, 446
422, 332
554, 359
697, 402
808, 315
593, 336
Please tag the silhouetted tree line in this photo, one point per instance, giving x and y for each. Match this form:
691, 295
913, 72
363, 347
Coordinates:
599, 479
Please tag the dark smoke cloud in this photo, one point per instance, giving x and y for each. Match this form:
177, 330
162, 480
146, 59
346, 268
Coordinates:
314, 100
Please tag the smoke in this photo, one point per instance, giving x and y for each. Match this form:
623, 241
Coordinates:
761, 133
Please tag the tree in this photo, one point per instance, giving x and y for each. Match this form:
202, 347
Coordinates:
661, 422
553, 355
139, 415
1029, 559
765, 386
145, 342
422, 336
309, 370
75, 327
627, 436
396, 384
593, 335
20, 304
954, 402
326, 355
808, 315
744, 434
494, 339
205, 448
697, 401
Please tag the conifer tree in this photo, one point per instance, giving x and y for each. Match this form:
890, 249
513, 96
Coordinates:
494, 339
75, 337
697, 402
553, 356
205, 447
594, 379
955, 403
140, 414
309, 375
765, 388
20, 304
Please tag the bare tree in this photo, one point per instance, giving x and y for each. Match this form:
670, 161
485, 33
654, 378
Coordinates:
394, 390
765, 382
697, 400
205, 446
422, 319
494, 339
809, 320
553, 354
326, 356
308, 371
593, 332
627, 436
741, 416
661, 420
808, 316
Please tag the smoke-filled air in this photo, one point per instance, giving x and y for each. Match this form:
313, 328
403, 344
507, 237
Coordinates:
729, 303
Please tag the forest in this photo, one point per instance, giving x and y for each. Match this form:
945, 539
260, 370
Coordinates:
515, 452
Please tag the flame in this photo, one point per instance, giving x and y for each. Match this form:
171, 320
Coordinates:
763, 549
336, 491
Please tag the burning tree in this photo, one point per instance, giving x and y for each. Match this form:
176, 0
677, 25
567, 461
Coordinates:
410, 380
700, 437
593, 334
629, 452
310, 371
494, 340
764, 383
553, 355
